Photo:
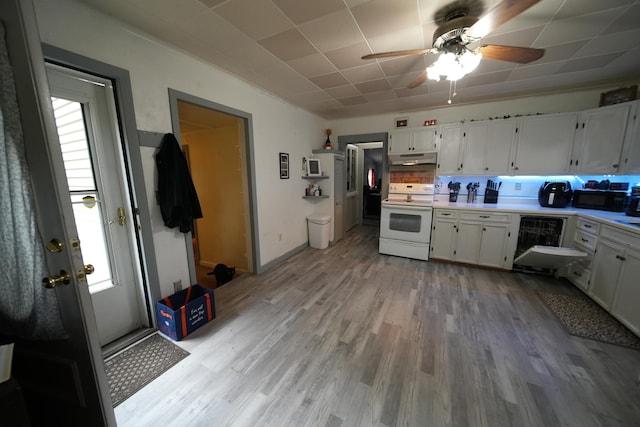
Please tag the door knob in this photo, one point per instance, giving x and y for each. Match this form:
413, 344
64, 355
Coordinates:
89, 269
53, 281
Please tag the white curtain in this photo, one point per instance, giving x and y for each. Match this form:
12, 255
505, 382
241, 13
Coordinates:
27, 310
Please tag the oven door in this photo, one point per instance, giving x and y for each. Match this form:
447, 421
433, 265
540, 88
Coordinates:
406, 223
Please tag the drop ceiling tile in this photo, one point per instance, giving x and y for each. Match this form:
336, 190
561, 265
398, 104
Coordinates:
354, 100
524, 38
610, 43
332, 31
211, 28
403, 65
627, 21
536, 15
381, 96
363, 73
343, 91
571, 8
288, 45
579, 28
406, 92
211, 3
402, 81
484, 79
403, 39
380, 17
561, 52
172, 11
347, 57
491, 66
300, 11
329, 80
258, 19
534, 71
312, 65
582, 64
373, 86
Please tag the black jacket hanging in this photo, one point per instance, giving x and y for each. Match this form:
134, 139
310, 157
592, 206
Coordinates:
177, 196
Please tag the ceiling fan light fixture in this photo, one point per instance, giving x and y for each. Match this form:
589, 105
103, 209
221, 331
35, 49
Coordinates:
454, 66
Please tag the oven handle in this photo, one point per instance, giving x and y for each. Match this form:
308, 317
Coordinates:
410, 208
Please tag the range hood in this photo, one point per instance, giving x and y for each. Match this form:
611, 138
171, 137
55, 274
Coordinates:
413, 158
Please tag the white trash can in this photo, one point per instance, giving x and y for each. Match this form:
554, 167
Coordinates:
318, 231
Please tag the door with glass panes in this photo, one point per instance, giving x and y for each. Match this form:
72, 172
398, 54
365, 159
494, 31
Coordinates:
89, 140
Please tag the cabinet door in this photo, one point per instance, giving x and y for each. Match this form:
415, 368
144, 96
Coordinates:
476, 136
423, 140
443, 239
627, 295
602, 133
499, 146
493, 244
450, 150
607, 262
544, 144
468, 242
400, 142
631, 159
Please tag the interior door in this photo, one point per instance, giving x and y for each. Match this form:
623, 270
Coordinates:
339, 197
63, 381
87, 125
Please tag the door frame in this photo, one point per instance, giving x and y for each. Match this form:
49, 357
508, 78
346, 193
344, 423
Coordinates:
133, 159
175, 96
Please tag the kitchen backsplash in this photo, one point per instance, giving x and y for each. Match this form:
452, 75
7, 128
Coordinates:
418, 174
526, 186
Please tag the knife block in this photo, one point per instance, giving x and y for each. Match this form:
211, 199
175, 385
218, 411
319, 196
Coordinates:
490, 196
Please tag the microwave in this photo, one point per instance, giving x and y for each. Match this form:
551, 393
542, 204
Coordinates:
604, 200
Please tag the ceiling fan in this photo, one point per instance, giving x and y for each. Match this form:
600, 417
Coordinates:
460, 29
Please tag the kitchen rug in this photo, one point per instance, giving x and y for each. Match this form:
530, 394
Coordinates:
582, 317
137, 366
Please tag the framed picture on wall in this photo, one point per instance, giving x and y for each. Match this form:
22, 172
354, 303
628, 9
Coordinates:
402, 122
284, 165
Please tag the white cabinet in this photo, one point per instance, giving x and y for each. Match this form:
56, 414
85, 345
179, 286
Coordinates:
599, 139
487, 147
413, 141
544, 144
631, 150
615, 285
585, 238
450, 154
471, 237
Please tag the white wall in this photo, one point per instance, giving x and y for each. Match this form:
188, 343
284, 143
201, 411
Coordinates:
154, 67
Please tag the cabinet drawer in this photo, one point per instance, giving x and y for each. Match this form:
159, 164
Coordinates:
579, 275
485, 216
585, 240
440, 213
623, 237
588, 226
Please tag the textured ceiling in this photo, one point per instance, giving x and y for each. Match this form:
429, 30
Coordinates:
308, 51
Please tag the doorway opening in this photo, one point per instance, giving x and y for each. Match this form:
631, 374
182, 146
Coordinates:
216, 143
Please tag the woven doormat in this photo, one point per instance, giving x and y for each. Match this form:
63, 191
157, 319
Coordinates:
582, 317
140, 364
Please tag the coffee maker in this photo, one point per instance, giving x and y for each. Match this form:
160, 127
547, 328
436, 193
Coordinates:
633, 208
555, 194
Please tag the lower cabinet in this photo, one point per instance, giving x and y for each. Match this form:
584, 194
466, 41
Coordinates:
614, 283
471, 237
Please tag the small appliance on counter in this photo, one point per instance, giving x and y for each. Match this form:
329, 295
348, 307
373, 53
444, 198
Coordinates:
633, 208
555, 194
491, 191
604, 200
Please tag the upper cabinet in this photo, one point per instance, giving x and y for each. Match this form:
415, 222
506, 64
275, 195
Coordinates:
599, 139
630, 163
487, 147
544, 144
413, 141
450, 154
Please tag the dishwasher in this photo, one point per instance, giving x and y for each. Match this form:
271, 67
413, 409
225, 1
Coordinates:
538, 249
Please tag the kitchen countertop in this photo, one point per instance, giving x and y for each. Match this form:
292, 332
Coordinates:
529, 206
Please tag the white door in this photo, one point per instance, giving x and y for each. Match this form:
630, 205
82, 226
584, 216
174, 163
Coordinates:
63, 379
339, 197
87, 127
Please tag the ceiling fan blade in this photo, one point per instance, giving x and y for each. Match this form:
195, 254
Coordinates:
497, 16
399, 53
521, 55
417, 82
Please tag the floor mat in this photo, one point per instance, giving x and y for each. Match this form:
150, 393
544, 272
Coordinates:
582, 317
137, 366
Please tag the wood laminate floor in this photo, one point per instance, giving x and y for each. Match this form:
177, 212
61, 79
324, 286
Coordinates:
347, 337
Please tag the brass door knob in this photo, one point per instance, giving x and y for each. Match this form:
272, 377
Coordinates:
53, 281
89, 269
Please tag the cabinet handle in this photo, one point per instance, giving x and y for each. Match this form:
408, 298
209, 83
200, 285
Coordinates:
484, 216
587, 225
584, 240
445, 214
575, 273
621, 258
516, 168
484, 229
615, 165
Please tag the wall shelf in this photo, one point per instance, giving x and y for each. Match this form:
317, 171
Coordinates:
315, 177
316, 197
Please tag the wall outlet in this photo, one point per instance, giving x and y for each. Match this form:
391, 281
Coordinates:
518, 186
177, 286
